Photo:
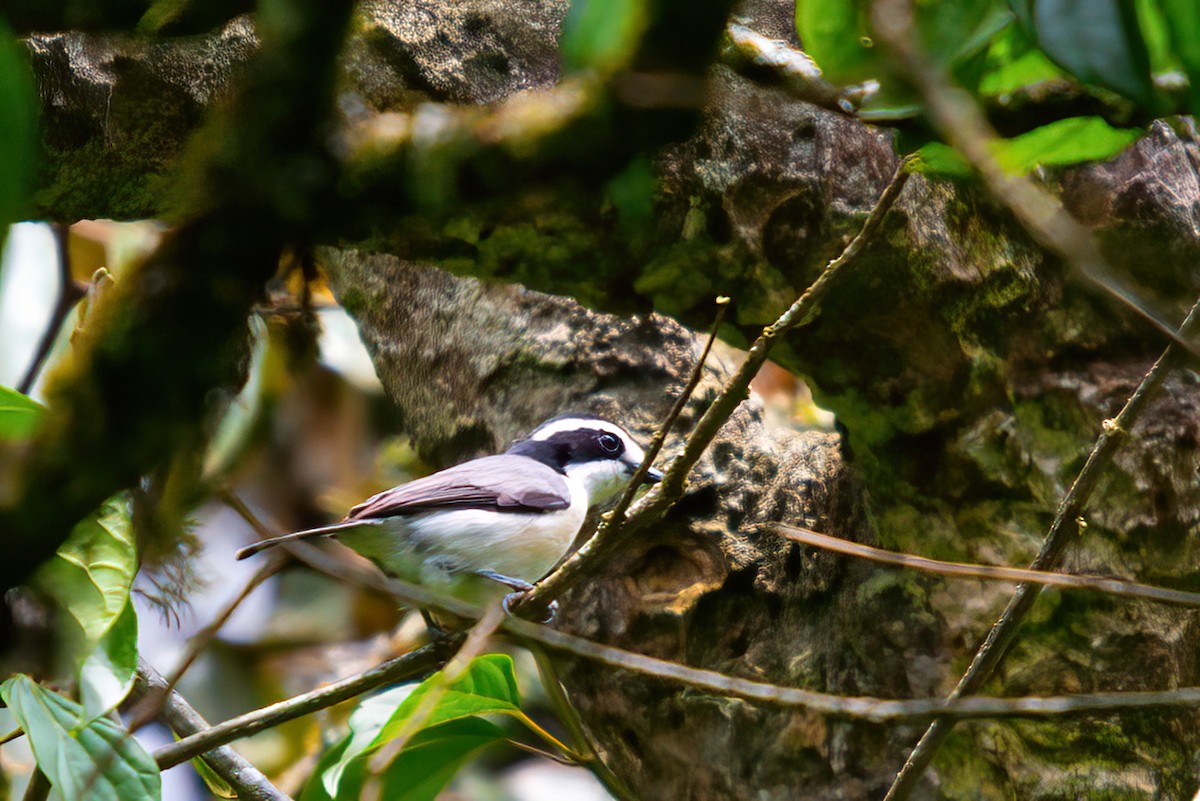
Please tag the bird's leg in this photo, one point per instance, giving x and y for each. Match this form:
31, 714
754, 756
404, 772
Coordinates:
520, 587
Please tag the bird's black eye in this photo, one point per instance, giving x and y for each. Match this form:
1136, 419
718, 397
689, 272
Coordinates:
609, 443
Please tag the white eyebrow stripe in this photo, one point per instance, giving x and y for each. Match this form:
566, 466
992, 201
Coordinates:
577, 423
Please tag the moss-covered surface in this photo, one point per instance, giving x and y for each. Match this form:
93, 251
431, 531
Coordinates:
118, 166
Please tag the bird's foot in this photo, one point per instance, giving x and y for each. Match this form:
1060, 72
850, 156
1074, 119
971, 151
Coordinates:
513, 597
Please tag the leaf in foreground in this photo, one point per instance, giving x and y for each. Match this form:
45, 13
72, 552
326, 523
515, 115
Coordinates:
107, 673
19, 415
18, 130
452, 733
96, 759
92, 572
89, 578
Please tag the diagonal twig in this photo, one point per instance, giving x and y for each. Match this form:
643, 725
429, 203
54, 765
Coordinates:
804, 309
617, 516
416, 664
246, 780
1004, 630
536, 602
149, 705
476, 640
69, 294
654, 504
1048, 578
961, 122
568, 715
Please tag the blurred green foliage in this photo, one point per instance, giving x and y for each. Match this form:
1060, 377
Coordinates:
19, 415
601, 35
1121, 56
1100, 42
18, 130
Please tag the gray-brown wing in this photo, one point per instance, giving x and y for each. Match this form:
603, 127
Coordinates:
508, 483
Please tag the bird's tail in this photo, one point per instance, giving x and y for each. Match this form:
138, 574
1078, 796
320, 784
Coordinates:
323, 531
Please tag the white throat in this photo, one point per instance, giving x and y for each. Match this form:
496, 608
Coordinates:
601, 480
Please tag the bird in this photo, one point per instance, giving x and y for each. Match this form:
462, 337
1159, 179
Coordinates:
499, 521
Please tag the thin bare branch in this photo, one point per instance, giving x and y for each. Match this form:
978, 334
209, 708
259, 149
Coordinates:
1004, 630
410, 666
568, 715
69, 294
654, 504
617, 516
150, 704
427, 659
874, 709
804, 309
1111, 586
246, 780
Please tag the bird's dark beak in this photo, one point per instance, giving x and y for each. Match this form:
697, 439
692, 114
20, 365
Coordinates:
653, 475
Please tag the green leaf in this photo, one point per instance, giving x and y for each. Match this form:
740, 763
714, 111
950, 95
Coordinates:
953, 32
941, 160
89, 579
107, 673
601, 35
92, 572
1153, 26
1064, 142
1098, 41
1057, 144
212, 780
19, 414
94, 759
18, 129
487, 687
315, 789
1014, 61
430, 759
1183, 26
420, 771
836, 34
366, 722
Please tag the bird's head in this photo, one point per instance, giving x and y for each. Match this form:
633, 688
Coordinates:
595, 452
